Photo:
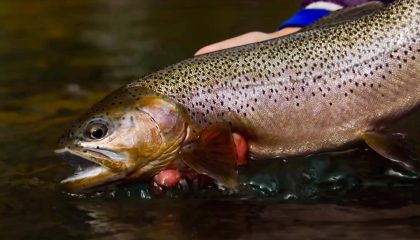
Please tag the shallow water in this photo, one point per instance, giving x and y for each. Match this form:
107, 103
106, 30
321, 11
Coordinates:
59, 57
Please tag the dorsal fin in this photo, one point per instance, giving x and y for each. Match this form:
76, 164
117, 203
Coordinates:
345, 15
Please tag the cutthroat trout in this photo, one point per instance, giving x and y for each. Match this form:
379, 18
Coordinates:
337, 83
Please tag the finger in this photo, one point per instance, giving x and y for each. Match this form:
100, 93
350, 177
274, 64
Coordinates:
246, 38
233, 42
241, 149
168, 178
284, 32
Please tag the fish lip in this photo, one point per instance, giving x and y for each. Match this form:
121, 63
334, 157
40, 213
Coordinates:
111, 155
91, 180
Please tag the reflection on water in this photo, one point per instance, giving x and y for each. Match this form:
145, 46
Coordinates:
244, 220
59, 57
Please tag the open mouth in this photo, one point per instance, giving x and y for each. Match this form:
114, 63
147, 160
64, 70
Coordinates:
88, 174
84, 168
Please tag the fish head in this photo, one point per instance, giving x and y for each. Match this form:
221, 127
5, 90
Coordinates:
130, 134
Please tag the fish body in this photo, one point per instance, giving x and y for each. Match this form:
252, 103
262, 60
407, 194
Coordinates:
316, 90
310, 91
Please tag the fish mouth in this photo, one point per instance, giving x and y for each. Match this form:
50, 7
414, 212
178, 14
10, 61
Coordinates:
89, 174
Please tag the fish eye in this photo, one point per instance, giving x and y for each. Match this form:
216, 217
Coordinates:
96, 131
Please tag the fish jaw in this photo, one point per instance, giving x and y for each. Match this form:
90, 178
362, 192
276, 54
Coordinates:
87, 180
90, 172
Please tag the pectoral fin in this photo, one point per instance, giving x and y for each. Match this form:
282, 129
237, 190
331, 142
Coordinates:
213, 154
394, 147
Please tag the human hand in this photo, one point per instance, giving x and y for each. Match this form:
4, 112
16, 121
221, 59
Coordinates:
170, 178
246, 38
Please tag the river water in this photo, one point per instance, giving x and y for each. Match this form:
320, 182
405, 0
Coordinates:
59, 57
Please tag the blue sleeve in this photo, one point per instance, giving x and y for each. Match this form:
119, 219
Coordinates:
343, 3
312, 10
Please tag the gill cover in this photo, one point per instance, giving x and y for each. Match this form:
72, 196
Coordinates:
212, 152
